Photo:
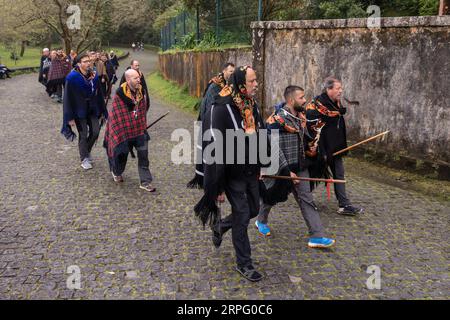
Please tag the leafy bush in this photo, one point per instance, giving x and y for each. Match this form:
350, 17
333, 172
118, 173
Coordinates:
342, 9
187, 42
428, 7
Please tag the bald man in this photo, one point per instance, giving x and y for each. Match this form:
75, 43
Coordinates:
126, 129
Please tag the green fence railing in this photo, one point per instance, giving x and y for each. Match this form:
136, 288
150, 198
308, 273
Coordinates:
228, 22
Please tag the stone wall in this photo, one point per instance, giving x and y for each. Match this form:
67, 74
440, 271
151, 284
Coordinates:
195, 69
398, 75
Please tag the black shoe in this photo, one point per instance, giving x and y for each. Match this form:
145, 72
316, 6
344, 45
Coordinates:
350, 210
216, 236
249, 273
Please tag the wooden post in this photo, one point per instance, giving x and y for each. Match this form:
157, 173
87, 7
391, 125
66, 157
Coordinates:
444, 7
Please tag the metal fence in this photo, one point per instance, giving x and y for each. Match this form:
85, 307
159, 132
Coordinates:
228, 22
178, 28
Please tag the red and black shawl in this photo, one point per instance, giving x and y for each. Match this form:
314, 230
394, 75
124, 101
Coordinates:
127, 121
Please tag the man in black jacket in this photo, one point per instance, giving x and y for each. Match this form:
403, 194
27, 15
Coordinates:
43, 68
114, 60
325, 115
232, 165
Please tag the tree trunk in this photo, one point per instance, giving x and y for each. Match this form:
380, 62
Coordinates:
444, 7
67, 45
22, 48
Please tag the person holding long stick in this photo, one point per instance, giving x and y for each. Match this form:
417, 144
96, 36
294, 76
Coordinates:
291, 145
325, 115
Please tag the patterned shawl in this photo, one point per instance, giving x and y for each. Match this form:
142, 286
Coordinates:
127, 120
236, 88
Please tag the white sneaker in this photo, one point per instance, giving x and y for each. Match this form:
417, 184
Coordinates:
117, 178
85, 164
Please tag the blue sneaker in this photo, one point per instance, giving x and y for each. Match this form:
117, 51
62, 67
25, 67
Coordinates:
320, 242
263, 228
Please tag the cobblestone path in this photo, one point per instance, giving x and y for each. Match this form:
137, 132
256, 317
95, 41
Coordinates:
130, 244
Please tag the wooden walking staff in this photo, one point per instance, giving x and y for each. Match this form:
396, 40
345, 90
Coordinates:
108, 94
327, 181
151, 124
361, 142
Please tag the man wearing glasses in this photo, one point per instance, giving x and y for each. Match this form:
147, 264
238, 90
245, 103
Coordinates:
83, 107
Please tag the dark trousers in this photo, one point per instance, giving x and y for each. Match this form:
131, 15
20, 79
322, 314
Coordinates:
104, 87
59, 90
337, 168
51, 89
88, 131
243, 195
143, 163
54, 89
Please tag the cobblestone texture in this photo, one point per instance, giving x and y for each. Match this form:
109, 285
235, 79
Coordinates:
130, 244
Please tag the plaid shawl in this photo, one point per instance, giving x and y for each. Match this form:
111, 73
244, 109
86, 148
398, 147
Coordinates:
59, 69
127, 120
290, 148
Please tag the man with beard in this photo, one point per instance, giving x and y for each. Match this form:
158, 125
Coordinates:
126, 129
237, 175
44, 58
83, 107
134, 64
326, 114
215, 85
293, 146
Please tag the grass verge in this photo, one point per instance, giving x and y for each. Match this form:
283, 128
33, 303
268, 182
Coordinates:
170, 93
31, 58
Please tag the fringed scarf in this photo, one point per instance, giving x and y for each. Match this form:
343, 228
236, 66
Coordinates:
218, 80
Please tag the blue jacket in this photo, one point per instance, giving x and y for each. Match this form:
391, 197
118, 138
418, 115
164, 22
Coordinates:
82, 98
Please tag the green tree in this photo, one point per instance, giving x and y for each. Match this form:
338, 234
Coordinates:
105, 25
